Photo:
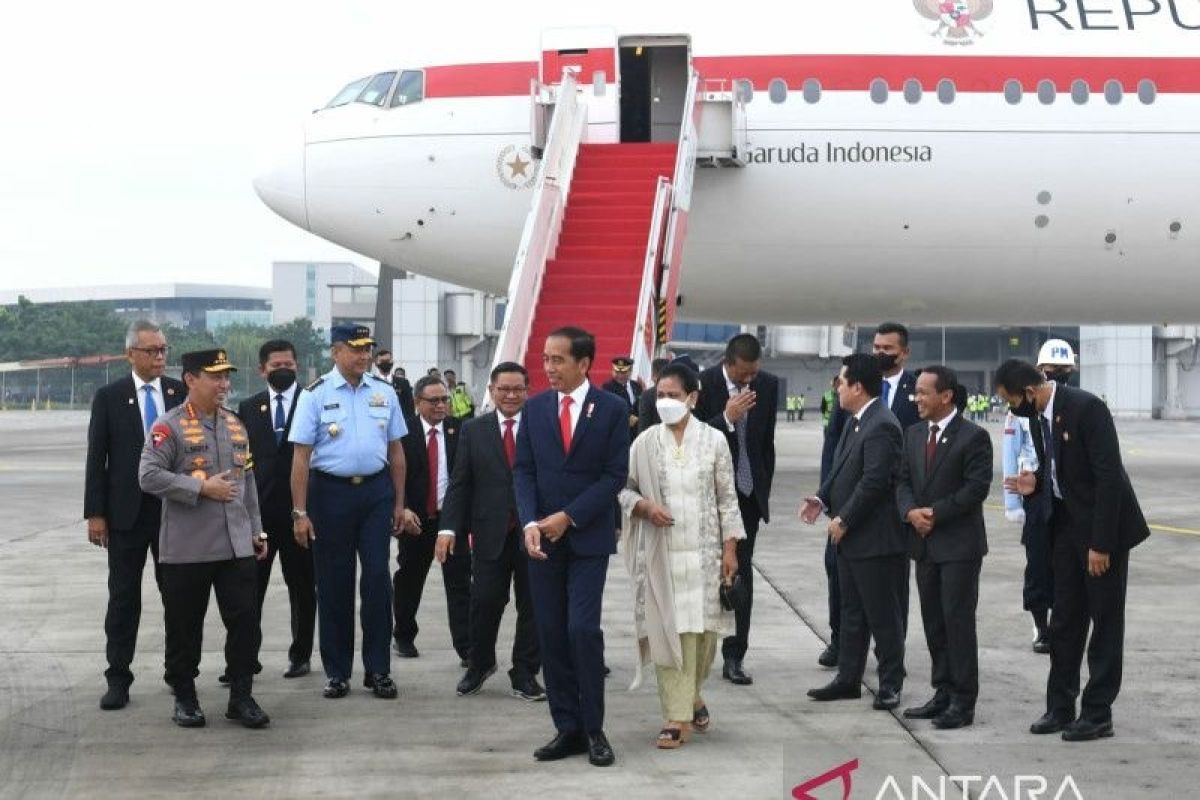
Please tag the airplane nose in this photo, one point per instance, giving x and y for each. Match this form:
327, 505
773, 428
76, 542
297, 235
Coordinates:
281, 184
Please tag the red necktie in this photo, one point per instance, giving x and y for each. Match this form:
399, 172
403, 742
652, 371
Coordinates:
431, 451
931, 447
564, 423
510, 444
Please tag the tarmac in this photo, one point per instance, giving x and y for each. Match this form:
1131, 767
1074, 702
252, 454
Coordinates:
766, 740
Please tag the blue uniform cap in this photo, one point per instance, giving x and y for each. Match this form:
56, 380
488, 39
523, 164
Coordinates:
353, 335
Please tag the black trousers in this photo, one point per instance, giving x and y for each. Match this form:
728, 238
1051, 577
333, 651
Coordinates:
1037, 595
734, 647
296, 562
835, 594
414, 558
490, 581
872, 592
1080, 599
186, 589
126, 564
949, 595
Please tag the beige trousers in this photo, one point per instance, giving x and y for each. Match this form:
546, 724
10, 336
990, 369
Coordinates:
679, 689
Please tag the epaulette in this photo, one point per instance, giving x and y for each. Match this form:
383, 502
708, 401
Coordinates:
376, 377
314, 384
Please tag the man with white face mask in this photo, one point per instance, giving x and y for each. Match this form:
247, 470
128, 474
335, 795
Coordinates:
682, 527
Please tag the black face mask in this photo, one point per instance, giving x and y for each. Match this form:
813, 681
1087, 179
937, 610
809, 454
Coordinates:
887, 361
384, 366
1027, 409
1062, 375
281, 379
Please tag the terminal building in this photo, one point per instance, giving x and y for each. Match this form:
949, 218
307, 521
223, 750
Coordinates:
195, 306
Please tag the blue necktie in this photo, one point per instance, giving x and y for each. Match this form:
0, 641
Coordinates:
151, 411
280, 419
887, 393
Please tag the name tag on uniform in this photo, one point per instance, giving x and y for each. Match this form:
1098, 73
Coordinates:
331, 406
377, 401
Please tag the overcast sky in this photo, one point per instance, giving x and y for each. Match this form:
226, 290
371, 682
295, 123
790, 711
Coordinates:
132, 129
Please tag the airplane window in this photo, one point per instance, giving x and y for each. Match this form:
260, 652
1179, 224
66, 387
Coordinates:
376, 91
946, 91
1046, 92
1080, 92
879, 91
1147, 91
777, 90
1013, 91
812, 91
410, 88
912, 90
348, 94
744, 89
1113, 92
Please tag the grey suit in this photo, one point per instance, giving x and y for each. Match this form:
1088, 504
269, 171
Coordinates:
954, 485
872, 557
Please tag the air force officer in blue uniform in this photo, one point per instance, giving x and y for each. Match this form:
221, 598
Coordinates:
572, 460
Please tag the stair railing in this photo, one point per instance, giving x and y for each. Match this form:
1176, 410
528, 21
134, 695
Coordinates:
642, 348
681, 200
543, 224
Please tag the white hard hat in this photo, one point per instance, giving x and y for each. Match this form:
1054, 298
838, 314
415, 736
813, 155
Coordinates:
1056, 352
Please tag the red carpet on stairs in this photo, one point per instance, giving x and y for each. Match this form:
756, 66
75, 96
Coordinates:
595, 277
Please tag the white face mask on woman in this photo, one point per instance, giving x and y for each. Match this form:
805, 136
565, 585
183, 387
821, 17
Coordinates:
671, 410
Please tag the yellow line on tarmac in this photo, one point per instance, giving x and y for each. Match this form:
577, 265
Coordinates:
1152, 526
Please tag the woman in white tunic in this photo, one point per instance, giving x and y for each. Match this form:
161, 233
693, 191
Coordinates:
681, 530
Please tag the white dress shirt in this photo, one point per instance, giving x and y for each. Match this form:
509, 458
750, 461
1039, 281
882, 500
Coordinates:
1049, 416
578, 396
863, 410
443, 473
733, 390
894, 383
289, 394
944, 423
159, 402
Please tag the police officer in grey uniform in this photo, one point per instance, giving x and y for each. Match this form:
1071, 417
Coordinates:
197, 460
348, 489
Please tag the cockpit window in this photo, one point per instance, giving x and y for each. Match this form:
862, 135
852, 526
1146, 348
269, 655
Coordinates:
348, 94
376, 91
410, 89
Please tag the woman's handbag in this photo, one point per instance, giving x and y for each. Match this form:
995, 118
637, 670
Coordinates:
735, 594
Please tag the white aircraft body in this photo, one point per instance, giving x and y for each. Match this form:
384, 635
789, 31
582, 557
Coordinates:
1023, 161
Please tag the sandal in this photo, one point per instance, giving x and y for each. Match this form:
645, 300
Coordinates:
701, 720
670, 739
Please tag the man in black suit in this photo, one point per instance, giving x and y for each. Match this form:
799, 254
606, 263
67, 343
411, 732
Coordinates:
480, 504
859, 495
386, 369
647, 411
891, 347
944, 477
622, 385
429, 450
740, 399
120, 517
1095, 521
267, 417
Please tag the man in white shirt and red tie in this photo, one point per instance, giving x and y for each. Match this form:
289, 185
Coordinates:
429, 450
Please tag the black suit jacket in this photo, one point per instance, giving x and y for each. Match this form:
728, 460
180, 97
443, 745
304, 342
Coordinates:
904, 407
955, 488
416, 457
480, 500
861, 486
760, 433
647, 409
115, 439
1102, 512
621, 392
272, 462
404, 393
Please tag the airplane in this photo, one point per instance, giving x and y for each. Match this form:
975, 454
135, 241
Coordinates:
947, 161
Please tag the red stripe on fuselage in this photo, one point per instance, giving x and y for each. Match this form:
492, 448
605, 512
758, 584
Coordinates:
855, 73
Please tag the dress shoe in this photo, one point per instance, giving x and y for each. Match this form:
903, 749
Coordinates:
1085, 730
562, 746
886, 700
836, 690
187, 713
1050, 723
406, 649
733, 672
1042, 643
472, 682
335, 688
383, 686
116, 697
297, 669
954, 717
930, 710
829, 656
528, 689
246, 711
600, 752
464, 662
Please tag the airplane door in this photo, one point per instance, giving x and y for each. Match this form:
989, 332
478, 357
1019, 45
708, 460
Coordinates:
592, 53
654, 81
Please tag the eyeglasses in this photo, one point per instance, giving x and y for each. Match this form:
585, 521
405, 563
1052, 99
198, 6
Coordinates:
513, 390
153, 352
436, 401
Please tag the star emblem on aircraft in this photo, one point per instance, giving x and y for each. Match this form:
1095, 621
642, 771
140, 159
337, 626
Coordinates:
518, 166
955, 18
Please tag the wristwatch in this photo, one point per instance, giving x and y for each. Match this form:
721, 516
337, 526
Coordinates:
298, 513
